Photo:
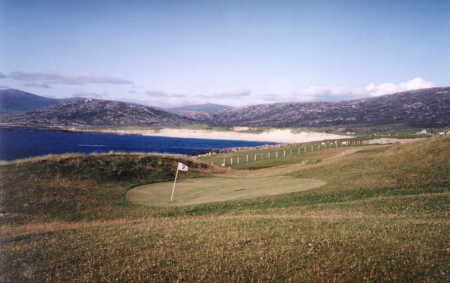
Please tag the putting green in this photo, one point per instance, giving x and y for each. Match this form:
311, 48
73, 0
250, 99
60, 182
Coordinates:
214, 189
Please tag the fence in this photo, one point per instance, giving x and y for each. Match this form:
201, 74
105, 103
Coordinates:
245, 157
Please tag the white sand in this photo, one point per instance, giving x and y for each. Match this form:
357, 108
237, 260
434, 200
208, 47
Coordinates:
273, 135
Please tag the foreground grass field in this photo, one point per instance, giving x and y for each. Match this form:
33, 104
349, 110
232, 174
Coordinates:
382, 214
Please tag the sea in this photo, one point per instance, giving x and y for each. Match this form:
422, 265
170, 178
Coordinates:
17, 143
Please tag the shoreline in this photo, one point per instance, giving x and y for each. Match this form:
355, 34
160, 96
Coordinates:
271, 135
267, 139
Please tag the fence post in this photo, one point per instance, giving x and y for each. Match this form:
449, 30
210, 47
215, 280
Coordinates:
255, 156
231, 161
237, 160
247, 158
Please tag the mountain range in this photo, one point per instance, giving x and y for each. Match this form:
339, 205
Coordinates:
199, 112
95, 112
15, 101
417, 108
423, 108
203, 108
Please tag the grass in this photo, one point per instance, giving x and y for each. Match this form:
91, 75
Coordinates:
286, 154
76, 187
208, 190
383, 215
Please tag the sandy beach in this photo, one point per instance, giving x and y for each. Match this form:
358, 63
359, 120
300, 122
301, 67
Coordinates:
272, 135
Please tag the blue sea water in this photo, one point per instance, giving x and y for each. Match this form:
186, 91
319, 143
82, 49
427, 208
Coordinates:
18, 143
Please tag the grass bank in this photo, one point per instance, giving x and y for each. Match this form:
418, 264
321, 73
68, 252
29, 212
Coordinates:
79, 187
382, 216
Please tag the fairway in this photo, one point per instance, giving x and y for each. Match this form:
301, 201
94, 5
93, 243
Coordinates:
205, 190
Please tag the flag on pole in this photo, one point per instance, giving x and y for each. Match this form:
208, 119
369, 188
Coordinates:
182, 167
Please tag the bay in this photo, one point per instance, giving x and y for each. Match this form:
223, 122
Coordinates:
16, 143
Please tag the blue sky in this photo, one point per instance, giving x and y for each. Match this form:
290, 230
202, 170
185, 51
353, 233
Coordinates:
168, 53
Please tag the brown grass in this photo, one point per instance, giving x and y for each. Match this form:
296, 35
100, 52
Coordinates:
382, 216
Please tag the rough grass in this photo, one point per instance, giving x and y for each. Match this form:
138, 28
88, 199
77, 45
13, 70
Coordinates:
235, 249
75, 187
288, 154
382, 216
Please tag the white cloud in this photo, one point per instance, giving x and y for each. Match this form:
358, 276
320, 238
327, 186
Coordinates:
59, 78
317, 93
388, 88
157, 93
227, 94
37, 85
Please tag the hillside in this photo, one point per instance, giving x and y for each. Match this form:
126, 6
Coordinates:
420, 108
382, 216
13, 101
204, 108
94, 112
199, 112
74, 186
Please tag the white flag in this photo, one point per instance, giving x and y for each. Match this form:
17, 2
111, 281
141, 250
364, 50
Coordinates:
182, 167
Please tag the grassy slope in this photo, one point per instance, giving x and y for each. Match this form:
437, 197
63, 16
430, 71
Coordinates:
75, 187
383, 216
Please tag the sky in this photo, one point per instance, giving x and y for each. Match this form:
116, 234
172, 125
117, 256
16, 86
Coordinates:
178, 52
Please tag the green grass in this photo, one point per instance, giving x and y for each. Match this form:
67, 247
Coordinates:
76, 187
235, 249
288, 154
382, 216
208, 190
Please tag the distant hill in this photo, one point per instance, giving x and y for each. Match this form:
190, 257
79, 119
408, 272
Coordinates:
424, 107
417, 108
199, 112
15, 101
94, 112
205, 108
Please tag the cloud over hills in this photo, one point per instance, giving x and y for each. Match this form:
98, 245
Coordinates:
318, 93
387, 88
59, 78
59, 85
157, 93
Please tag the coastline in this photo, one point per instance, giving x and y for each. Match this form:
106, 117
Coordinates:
270, 135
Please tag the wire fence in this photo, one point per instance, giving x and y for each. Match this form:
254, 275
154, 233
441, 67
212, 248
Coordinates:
239, 158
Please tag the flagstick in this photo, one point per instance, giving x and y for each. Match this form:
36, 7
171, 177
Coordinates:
174, 183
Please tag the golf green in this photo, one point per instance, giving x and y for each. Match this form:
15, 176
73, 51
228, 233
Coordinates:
214, 189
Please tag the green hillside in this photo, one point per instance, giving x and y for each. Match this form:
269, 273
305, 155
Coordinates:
381, 214
74, 187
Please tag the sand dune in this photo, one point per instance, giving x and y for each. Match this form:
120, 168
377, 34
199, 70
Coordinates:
272, 135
